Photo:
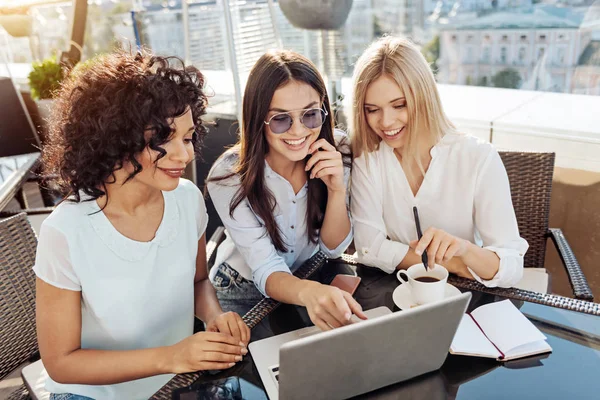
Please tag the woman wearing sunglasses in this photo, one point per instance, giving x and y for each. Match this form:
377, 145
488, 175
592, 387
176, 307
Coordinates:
281, 194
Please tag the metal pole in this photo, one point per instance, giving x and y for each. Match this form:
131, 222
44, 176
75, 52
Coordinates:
233, 59
74, 54
190, 171
274, 23
321, 62
136, 31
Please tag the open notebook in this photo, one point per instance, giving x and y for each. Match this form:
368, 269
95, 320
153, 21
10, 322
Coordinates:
498, 330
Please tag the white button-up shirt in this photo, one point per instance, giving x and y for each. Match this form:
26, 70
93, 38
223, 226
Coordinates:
248, 247
465, 192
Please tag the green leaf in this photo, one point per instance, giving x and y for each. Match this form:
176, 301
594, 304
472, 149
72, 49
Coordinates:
45, 78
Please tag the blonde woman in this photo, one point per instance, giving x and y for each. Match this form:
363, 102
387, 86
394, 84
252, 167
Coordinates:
407, 153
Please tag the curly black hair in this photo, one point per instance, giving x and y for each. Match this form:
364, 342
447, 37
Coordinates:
103, 110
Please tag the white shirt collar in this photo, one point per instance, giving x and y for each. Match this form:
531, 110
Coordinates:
132, 250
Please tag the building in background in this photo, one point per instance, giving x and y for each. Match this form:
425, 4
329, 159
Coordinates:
395, 16
586, 78
506, 43
536, 48
359, 31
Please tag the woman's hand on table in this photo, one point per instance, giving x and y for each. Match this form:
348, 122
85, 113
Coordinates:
232, 324
329, 307
205, 351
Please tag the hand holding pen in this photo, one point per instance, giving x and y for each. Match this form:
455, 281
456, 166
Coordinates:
436, 246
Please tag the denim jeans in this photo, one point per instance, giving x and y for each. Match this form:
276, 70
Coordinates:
235, 292
68, 396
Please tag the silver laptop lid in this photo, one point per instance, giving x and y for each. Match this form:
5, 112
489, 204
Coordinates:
359, 358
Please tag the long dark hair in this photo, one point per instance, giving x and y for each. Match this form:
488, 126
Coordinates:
272, 71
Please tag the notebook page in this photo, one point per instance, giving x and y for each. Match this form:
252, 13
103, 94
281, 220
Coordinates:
506, 326
469, 340
528, 349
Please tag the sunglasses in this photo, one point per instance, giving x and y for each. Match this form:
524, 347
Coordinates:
311, 118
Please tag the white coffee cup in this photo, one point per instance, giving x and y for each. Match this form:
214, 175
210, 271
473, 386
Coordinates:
425, 292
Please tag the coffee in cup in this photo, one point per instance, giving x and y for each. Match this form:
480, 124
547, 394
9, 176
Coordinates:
428, 279
426, 285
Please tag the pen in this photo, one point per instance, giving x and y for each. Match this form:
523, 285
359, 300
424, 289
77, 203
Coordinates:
420, 235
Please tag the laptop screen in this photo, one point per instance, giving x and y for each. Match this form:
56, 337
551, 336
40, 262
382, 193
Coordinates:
17, 134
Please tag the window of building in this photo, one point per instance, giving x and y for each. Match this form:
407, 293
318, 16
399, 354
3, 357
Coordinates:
469, 56
522, 53
503, 52
485, 54
560, 56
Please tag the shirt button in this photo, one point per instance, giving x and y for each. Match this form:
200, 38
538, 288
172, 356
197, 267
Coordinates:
291, 251
292, 226
294, 201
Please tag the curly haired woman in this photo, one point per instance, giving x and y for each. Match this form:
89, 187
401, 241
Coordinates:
121, 264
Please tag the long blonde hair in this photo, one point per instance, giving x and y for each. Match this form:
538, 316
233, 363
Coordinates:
402, 61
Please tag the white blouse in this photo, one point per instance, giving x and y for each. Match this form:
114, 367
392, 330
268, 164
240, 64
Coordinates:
134, 295
465, 192
248, 248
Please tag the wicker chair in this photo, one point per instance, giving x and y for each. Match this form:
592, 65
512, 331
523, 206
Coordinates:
530, 176
18, 342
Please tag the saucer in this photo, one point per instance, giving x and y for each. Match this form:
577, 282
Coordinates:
403, 298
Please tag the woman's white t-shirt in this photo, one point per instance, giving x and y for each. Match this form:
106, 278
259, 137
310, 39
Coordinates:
134, 295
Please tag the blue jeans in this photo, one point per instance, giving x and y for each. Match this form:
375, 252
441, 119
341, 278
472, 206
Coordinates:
68, 396
235, 292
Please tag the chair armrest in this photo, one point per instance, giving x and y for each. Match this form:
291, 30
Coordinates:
20, 394
212, 244
345, 259
581, 288
28, 211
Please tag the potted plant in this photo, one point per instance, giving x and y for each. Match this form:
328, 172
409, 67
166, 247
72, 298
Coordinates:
45, 79
313, 14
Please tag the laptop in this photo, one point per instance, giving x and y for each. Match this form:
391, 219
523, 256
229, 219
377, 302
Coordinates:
360, 357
